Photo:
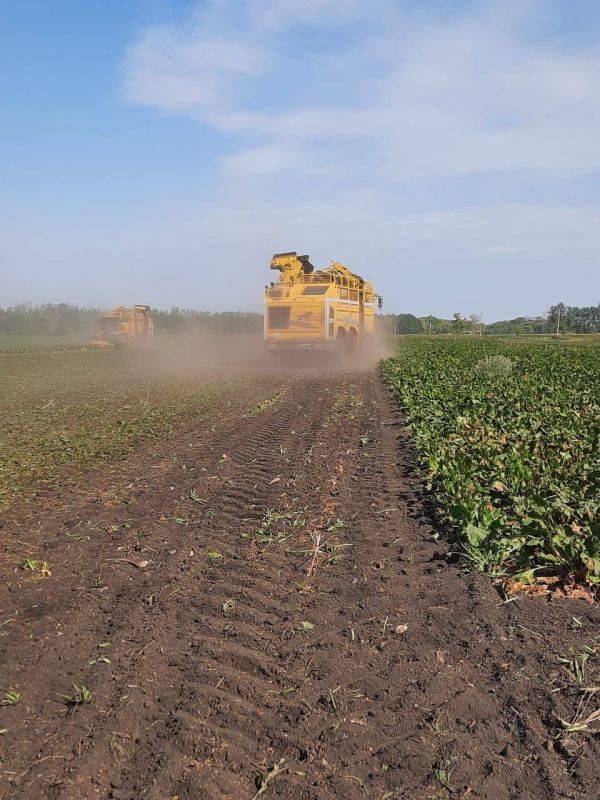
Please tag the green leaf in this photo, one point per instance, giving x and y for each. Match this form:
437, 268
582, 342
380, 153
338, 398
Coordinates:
476, 535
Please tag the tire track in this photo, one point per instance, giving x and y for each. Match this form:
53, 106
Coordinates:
251, 653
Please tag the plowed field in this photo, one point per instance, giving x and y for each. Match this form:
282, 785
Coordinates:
261, 606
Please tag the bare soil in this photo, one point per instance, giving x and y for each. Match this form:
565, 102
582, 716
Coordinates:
264, 609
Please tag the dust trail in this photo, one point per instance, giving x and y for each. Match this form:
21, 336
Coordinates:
191, 354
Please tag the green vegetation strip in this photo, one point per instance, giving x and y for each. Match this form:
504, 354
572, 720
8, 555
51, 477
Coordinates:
508, 434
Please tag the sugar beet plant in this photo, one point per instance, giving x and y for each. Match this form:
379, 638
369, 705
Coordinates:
508, 435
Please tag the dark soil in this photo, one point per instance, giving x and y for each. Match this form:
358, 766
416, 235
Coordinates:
291, 629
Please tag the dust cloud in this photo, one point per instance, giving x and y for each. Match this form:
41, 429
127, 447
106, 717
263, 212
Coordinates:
193, 353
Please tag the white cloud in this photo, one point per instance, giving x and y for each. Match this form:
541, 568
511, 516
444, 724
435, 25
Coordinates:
466, 96
277, 15
186, 71
260, 162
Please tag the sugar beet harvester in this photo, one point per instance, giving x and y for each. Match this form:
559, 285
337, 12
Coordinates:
330, 309
124, 325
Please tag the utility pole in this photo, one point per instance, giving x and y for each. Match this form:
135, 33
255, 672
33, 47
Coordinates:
429, 334
558, 323
481, 324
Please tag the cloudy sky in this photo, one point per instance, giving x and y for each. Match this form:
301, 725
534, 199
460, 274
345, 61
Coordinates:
161, 150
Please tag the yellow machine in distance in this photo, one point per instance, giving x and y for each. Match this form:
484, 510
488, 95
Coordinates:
330, 309
124, 325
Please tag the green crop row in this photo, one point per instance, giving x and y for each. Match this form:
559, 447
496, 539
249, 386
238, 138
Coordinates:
508, 436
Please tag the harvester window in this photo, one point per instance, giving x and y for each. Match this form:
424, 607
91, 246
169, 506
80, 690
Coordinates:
315, 289
279, 317
353, 294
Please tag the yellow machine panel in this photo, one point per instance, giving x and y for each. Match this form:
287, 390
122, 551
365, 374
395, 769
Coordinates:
124, 325
330, 309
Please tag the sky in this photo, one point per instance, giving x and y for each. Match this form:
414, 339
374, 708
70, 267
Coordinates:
160, 151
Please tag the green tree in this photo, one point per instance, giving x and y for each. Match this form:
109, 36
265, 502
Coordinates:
408, 323
460, 324
575, 319
436, 325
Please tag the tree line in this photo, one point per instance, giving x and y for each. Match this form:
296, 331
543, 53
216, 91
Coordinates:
566, 319
182, 320
63, 319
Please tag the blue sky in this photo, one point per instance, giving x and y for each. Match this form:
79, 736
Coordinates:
160, 151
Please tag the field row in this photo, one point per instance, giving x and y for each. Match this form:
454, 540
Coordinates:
69, 412
508, 434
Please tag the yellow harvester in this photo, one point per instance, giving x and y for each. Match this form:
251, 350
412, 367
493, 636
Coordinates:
124, 325
330, 309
